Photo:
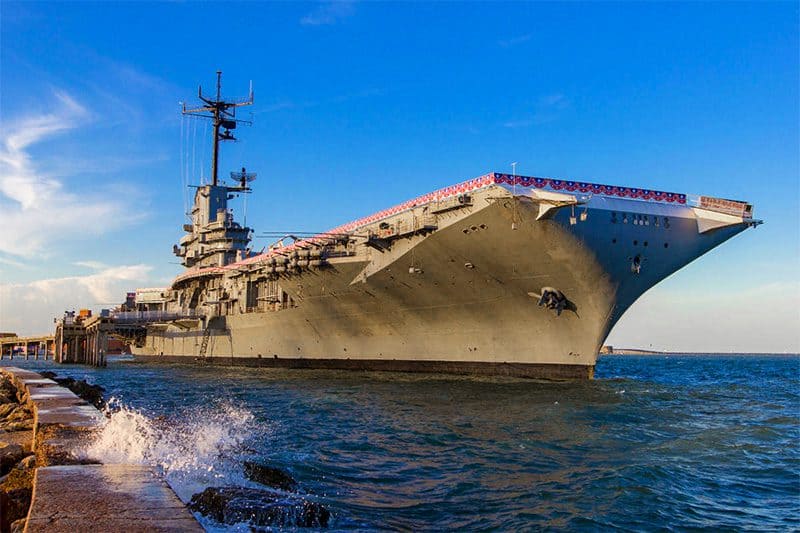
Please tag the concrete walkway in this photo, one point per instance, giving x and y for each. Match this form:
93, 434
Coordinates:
105, 498
69, 495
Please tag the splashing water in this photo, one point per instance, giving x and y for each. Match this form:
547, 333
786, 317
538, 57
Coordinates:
192, 449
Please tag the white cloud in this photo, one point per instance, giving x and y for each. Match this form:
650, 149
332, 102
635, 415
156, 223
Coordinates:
329, 13
29, 308
94, 265
759, 319
36, 208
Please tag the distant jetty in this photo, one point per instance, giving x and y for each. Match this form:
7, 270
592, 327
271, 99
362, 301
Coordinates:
610, 350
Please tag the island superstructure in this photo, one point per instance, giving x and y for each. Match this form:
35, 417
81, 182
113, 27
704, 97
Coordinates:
500, 274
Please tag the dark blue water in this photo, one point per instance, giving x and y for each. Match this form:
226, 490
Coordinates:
679, 442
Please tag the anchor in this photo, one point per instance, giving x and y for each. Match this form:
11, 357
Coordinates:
553, 299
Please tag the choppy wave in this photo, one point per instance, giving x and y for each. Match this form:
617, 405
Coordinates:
193, 448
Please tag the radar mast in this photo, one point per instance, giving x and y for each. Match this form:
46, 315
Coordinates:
223, 116
214, 238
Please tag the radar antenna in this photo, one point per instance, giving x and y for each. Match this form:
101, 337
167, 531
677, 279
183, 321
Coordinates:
223, 116
243, 178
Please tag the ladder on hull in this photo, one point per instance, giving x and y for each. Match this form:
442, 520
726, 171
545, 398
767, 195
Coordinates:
204, 342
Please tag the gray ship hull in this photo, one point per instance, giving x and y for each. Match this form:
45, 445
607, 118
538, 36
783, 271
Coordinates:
461, 297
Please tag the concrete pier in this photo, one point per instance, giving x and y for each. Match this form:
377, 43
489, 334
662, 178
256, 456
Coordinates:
26, 347
84, 342
71, 494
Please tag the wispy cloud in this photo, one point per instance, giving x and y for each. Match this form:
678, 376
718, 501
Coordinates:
513, 41
546, 109
94, 265
11, 262
553, 101
136, 79
329, 13
35, 304
36, 207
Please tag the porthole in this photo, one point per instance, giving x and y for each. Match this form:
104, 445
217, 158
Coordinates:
635, 243
613, 241
666, 245
645, 243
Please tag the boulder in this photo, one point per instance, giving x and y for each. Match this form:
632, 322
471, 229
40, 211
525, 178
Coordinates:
7, 408
21, 425
27, 463
15, 497
7, 388
231, 505
10, 455
23, 438
19, 413
17, 419
91, 393
269, 476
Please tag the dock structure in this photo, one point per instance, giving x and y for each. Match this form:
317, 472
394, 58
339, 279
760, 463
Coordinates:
39, 347
84, 340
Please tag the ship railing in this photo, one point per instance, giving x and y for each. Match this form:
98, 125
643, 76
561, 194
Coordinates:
140, 317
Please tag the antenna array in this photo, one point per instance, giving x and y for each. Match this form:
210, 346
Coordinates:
223, 116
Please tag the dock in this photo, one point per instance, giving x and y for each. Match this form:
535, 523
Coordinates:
42, 347
84, 340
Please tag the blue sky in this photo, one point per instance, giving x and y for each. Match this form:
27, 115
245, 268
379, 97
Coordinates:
362, 105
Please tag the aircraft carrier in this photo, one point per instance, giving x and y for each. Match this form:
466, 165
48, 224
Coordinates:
500, 274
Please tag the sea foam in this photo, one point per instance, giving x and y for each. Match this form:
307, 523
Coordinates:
192, 449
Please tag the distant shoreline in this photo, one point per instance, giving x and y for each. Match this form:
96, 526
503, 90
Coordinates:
636, 351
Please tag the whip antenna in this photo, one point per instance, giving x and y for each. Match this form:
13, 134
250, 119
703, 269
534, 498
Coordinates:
223, 118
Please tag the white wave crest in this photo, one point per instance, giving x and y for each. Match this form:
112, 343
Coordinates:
192, 450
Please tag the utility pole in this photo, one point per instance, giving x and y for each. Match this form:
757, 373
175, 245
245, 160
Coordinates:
223, 116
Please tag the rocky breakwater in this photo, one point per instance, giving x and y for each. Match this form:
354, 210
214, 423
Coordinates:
16, 456
52, 485
278, 502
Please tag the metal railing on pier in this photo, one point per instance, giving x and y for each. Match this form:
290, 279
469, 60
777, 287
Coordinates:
143, 317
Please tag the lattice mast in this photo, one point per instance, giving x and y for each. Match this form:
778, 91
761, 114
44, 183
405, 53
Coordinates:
214, 238
223, 116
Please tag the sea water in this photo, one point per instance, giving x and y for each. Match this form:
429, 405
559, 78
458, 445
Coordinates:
657, 442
